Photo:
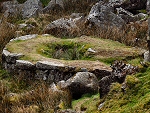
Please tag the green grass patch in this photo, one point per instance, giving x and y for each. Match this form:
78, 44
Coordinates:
65, 50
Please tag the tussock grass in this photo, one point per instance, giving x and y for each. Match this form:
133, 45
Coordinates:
35, 97
7, 33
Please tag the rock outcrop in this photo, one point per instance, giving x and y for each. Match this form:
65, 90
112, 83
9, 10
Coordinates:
81, 83
102, 16
62, 27
119, 72
12, 9
31, 8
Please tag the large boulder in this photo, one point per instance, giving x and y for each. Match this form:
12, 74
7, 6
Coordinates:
7, 5
11, 9
62, 27
31, 8
81, 83
102, 15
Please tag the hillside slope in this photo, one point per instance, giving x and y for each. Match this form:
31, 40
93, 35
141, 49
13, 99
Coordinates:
135, 100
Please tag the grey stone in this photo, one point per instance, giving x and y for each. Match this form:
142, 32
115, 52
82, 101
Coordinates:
53, 87
51, 76
61, 84
101, 106
6, 53
147, 56
148, 6
41, 74
26, 37
9, 67
25, 65
116, 0
84, 70
8, 4
129, 17
11, 57
62, 27
102, 15
69, 68
31, 8
49, 65
91, 50
13, 11
81, 83
56, 5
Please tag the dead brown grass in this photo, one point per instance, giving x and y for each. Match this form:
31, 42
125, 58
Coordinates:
7, 32
127, 35
3, 90
40, 98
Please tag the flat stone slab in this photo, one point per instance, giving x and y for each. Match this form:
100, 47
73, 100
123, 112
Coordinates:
6, 53
11, 57
23, 64
26, 37
49, 65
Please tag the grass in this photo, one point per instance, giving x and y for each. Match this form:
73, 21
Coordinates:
66, 50
106, 50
